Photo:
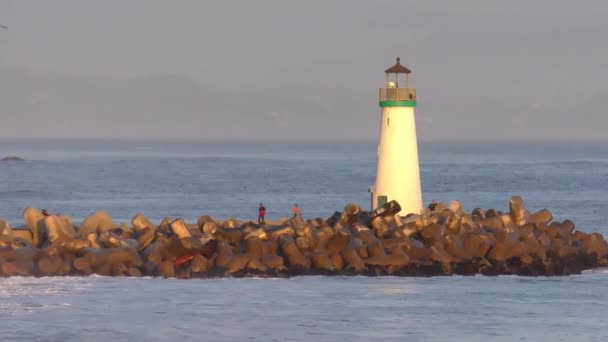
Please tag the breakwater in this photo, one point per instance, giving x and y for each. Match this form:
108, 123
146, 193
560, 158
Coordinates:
351, 242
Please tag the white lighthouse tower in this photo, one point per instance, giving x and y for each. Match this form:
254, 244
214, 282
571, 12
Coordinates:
398, 171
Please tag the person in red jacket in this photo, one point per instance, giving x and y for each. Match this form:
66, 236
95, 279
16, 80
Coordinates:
295, 210
261, 214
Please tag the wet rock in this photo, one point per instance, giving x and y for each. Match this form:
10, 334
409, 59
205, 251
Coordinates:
375, 249
349, 215
17, 261
257, 266
517, 210
134, 272
477, 245
334, 219
337, 242
337, 261
352, 259
202, 220
454, 246
224, 256
416, 221
364, 218
593, 244
58, 229
381, 225
402, 243
258, 233
230, 223
321, 236
478, 213
50, 265
391, 208
274, 262
200, 264
297, 221
492, 223
5, 229
431, 233
255, 247
74, 245
304, 244
96, 223
455, 207
238, 263
439, 255
543, 216
110, 256
506, 221
388, 260
141, 222
35, 221
93, 240
144, 237
418, 254
23, 233
178, 226
167, 269
111, 240
210, 227
492, 213
276, 233
231, 235
566, 229
292, 253
321, 260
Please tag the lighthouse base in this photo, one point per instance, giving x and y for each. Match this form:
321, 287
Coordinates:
376, 200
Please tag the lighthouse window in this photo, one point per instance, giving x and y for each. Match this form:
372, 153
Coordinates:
388, 121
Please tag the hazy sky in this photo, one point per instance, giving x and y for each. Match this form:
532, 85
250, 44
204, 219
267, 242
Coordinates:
305, 70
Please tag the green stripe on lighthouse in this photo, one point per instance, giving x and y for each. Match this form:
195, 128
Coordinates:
396, 103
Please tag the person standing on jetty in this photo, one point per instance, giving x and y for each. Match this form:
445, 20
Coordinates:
432, 205
261, 214
295, 210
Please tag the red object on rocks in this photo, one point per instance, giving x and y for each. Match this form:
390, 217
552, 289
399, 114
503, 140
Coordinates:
208, 250
183, 259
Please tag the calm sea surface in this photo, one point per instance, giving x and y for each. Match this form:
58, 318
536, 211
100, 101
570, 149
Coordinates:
229, 180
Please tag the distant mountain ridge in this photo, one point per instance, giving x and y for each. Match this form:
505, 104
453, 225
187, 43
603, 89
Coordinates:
162, 105
168, 106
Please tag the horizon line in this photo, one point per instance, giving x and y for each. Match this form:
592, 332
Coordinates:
103, 140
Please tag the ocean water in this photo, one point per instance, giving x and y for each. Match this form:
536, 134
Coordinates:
229, 180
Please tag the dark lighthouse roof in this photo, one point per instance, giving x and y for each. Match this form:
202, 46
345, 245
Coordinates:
398, 69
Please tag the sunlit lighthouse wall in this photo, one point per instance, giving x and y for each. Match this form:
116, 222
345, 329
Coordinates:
398, 169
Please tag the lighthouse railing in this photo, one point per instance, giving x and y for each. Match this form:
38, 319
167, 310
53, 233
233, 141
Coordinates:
397, 94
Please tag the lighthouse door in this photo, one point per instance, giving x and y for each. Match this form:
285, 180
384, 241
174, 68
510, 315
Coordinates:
382, 201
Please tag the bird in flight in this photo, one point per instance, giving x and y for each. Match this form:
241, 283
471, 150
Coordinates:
4, 27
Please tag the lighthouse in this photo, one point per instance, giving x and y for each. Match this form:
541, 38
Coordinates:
398, 170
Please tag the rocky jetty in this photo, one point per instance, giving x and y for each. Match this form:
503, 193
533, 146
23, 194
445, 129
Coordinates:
445, 241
